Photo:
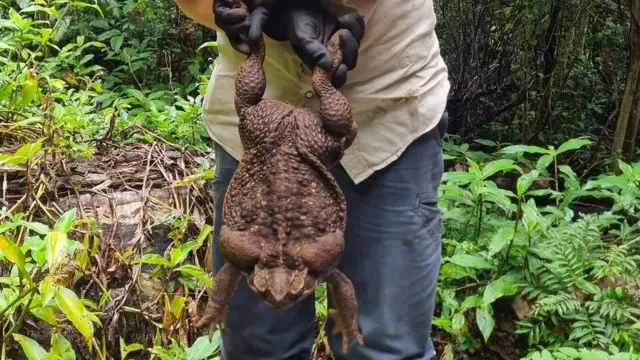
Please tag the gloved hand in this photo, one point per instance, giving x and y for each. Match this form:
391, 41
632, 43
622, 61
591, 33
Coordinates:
234, 22
308, 27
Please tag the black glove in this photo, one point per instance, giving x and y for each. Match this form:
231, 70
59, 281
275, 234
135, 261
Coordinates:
234, 22
308, 27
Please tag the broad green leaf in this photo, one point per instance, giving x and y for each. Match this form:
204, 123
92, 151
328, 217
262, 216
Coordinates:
544, 162
531, 217
496, 191
606, 182
29, 89
4, 45
206, 230
180, 253
636, 170
471, 261
624, 356
457, 322
569, 351
202, 348
474, 168
40, 228
28, 151
62, 347
503, 286
455, 272
571, 179
45, 314
626, 169
126, 349
84, 4
471, 302
177, 305
65, 222
152, 259
116, 42
573, 144
486, 142
72, 307
485, 322
32, 350
109, 34
47, 290
36, 8
8, 226
587, 286
137, 94
57, 244
546, 355
501, 239
17, 19
496, 166
458, 177
8, 24
595, 355
442, 323
12, 252
525, 181
499, 197
515, 149
448, 353
196, 272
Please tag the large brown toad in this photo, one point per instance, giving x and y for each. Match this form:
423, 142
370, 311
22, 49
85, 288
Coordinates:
284, 214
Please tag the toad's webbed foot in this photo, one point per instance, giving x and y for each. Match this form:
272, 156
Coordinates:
224, 286
345, 314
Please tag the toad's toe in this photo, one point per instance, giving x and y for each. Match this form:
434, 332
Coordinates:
349, 331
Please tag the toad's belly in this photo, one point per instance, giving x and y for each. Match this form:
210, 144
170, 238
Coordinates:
283, 197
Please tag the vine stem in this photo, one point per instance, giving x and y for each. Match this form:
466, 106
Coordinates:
20, 297
513, 239
20, 319
478, 228
631, 242
472, 285
555, 168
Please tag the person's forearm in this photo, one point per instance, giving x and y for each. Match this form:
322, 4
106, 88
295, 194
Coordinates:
201, 11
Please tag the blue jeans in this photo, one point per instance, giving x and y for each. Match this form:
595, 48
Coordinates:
392, 256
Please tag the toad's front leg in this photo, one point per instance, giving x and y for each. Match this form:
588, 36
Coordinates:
345, 314
224, 286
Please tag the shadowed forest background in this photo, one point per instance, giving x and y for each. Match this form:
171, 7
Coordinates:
106, 169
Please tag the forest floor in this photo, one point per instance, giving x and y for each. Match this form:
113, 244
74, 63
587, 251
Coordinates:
108, 187
152, 199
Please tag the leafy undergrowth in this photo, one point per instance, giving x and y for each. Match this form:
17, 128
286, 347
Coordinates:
539, 258
546, 260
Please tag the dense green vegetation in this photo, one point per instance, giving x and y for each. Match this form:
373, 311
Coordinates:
540, 256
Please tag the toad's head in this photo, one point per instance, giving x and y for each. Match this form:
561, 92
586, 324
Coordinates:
279, 286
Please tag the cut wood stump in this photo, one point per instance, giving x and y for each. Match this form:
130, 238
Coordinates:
145, 198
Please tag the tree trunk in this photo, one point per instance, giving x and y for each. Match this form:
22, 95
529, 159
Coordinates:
581, 27
630, 89
550, 61
631, 136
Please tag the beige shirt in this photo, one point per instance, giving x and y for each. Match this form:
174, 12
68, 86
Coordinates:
398, 90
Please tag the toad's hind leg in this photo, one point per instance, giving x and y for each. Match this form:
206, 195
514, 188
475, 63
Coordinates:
251, 81
345, 314
224, 286
334, 107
